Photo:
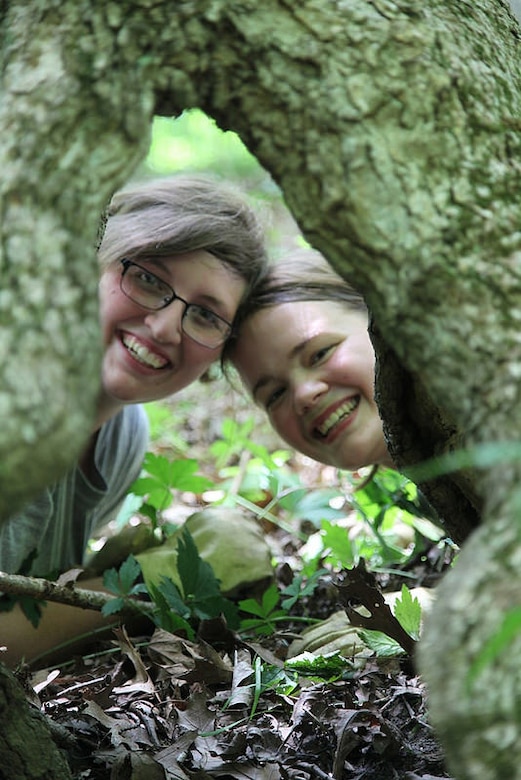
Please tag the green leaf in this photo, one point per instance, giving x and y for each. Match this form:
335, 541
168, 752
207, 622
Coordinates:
381, 644
112, 606
170, 592
265, 608
301, 587
32, 609
158, 494
122, 581
158, 466
252, 606
166, 616
315, 505
129, 571
407, 610
164, 476
182, 476
139, 588
197, 577
279, 680
111, 580
329, 666
270, 599
337, 540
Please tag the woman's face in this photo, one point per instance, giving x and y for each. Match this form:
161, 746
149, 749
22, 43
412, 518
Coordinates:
147, 354
310, 364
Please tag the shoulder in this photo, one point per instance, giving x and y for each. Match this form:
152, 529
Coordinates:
125, 435
130, 421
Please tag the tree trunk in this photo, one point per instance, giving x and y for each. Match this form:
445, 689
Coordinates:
27, 750
68, 136
393, 128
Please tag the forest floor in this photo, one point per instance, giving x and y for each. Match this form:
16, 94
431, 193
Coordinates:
161, 707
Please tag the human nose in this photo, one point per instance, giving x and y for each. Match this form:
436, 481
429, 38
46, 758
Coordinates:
306, 394
166, 325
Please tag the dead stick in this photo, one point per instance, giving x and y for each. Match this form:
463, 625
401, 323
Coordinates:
45, 590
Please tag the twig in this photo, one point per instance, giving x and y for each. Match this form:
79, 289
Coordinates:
45, 590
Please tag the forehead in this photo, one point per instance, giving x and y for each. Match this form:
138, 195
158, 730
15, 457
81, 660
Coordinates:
271, 338
200, 274
285, 323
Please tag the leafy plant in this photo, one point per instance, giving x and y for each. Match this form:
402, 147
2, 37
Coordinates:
200, 592
266, 612
282, 681
409, 613
125, 583
165, 424
329, 667
198, 598
407, 610
31, 608
387, 498
164, 476
270, 610
300, 587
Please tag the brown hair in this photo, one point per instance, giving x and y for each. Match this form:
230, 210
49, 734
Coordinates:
185, 213
303, 276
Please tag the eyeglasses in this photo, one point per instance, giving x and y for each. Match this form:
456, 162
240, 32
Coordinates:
149, 291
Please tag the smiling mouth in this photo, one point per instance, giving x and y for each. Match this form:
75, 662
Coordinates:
335, 417
141, 353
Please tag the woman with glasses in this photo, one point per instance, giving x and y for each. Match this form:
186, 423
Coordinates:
177, 258
302, 350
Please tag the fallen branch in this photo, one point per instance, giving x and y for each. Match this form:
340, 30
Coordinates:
45, 590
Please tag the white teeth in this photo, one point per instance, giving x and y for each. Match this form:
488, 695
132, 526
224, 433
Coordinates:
337, 415
142, 354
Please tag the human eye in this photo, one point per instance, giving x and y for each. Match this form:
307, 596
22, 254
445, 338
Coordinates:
148, 281
273, 398
318, 355
205, 318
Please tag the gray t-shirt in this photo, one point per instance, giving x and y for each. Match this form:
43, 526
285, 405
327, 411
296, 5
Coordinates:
60, 522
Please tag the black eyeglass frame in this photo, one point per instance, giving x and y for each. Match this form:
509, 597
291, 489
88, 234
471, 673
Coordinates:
173, 296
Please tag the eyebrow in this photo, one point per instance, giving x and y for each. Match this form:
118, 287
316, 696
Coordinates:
265, 380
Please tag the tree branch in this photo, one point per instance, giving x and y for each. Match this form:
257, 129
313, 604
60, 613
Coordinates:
45, 590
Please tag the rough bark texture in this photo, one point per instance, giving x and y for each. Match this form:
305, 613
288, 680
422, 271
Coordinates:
27, 750
393, 128
69, 135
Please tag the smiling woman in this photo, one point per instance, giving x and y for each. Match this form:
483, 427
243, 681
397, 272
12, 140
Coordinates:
152, 352
199, 322
303, 352
177, 258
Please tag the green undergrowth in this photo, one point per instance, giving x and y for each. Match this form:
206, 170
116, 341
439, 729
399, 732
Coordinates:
335, 521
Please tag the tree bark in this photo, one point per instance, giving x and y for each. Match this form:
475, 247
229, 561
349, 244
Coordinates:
393, 128
69, 135
45, 590
27, 750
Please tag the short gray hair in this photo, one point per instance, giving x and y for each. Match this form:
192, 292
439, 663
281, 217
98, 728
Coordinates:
185, 213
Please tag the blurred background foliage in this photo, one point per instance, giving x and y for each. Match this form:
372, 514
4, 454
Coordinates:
193, 142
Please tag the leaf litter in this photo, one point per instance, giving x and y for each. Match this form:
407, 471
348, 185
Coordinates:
162, 707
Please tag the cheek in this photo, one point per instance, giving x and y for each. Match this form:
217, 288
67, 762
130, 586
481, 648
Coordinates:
286, 425
197, 359
360, 364
111, 310
114, 306
243, 362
